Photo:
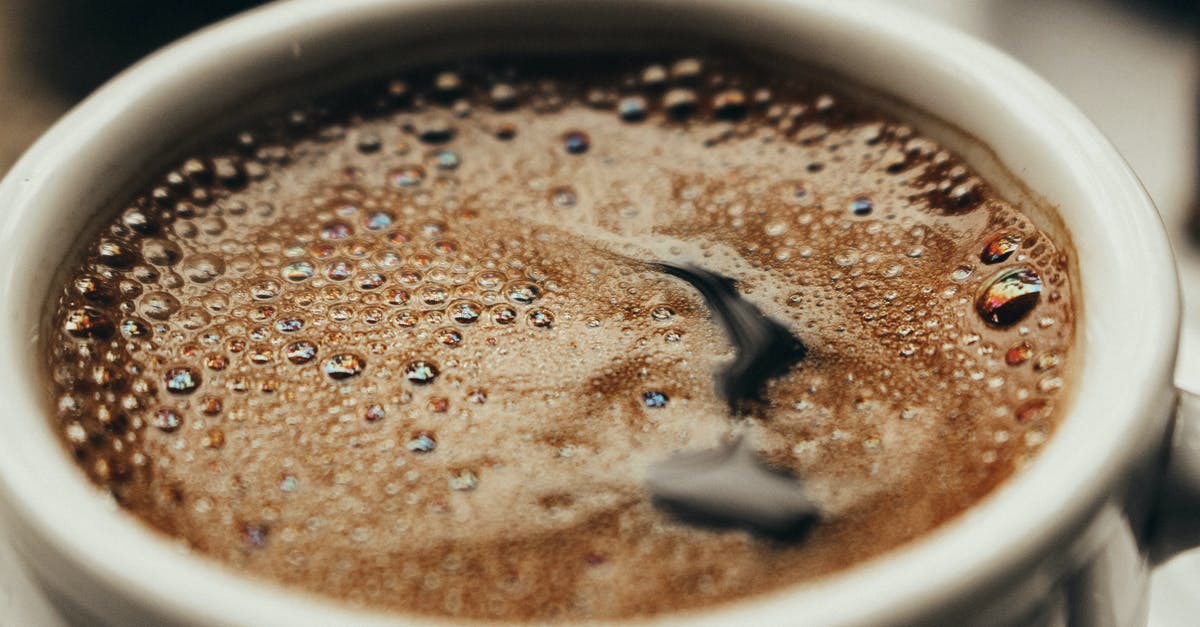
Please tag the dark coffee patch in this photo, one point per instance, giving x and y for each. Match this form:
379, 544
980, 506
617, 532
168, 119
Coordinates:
765, 348
731, 487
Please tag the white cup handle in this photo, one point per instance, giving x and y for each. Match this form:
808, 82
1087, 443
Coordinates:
1176, 523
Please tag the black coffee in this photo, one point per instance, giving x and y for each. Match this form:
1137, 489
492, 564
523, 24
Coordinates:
407, 346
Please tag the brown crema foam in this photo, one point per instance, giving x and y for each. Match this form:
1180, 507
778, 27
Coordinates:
405, 347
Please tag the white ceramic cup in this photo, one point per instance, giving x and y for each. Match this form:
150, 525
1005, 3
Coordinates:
1069, 540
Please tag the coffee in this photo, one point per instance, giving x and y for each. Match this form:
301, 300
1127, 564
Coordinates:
408, 346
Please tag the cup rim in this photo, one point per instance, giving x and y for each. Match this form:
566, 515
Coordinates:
48, 497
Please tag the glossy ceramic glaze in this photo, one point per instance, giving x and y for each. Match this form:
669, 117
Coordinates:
1063, 541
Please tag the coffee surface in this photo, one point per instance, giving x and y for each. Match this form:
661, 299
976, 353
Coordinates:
408, 347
